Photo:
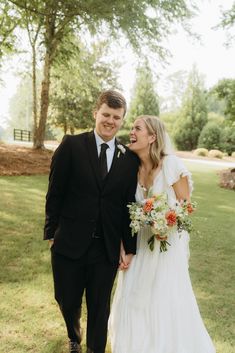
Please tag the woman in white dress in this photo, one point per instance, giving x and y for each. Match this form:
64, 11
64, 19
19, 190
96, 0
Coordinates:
154, 308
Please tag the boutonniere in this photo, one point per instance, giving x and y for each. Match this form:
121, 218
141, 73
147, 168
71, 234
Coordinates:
121, 150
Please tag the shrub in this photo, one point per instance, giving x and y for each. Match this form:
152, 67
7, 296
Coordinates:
124, 136
227, 143
227, 179
210, 136
186, 135
215, 154
201, 152
233, 154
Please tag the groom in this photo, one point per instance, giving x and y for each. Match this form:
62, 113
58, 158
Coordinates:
92, 179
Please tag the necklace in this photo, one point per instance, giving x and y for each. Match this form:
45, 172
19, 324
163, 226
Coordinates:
146, 177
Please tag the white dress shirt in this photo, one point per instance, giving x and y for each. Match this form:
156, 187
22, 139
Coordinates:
109, 151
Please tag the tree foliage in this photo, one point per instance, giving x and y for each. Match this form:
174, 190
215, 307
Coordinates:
76, 83
210, 136
227, 22
193, 113
9, 20
144, 99
142, 27
225, 90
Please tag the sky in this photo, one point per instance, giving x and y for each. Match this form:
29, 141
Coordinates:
210, 55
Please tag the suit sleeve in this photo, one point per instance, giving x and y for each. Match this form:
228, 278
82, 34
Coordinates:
58, 181
129, 241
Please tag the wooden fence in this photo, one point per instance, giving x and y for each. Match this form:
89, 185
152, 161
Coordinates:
22, 135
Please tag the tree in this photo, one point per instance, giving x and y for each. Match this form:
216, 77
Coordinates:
9, 20
210, 136
193, 113
145, 98
174, 87
227, 22
21, 106
76, 85
225, 90
130, 17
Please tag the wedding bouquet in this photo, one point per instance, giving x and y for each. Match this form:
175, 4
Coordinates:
162, 219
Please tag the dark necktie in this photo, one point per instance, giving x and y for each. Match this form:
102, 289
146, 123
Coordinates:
103, 160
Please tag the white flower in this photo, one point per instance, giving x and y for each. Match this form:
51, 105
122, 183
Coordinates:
121, 149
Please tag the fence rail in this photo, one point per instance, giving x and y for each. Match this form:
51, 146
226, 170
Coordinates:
22, 135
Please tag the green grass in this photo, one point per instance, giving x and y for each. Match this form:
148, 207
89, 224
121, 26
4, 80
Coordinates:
29, 317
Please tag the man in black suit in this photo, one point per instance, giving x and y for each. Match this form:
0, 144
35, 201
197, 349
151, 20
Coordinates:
92, 179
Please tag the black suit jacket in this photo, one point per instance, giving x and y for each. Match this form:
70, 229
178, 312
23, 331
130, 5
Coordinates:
77, 196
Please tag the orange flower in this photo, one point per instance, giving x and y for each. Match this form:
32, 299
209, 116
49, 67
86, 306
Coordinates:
190, 208
148, 206
171, 218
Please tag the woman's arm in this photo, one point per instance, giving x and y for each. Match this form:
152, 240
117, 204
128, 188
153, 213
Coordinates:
181, 188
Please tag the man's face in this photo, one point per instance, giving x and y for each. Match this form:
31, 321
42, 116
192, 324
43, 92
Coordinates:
108, 121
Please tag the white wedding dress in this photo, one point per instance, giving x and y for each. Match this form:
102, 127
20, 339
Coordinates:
154, 308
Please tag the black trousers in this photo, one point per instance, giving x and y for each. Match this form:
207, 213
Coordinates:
95, 275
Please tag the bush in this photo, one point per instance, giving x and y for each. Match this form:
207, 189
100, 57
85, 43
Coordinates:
124, 136
215, 154
210, 136
227, 179
233, 154
227, 143
186, 135
201, 152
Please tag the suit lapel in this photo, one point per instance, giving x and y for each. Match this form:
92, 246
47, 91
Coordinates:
93, 156
117, 159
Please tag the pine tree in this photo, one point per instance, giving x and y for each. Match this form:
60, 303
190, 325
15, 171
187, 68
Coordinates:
145, 99
193, 113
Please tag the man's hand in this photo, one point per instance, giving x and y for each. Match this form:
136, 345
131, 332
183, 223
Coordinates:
125, 259
51, 242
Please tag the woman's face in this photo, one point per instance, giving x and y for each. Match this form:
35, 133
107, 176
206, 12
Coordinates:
140, 139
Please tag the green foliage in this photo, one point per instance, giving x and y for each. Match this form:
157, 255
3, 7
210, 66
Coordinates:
144, 24
77, 82
169, 120
201, 152
193, 113
216, 118
9, 20
124, 136
225, 90
216, 154
214, 104
228, 21
174, 88
21, 104
227, 142
210, 136
145, 99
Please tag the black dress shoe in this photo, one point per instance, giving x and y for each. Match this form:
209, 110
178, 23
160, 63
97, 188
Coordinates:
74, 347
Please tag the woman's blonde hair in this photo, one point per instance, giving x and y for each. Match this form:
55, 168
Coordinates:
155, 127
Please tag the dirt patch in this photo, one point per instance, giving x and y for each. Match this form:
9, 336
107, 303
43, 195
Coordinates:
19, 160
22, 160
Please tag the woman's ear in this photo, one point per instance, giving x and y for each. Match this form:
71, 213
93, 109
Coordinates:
152, 138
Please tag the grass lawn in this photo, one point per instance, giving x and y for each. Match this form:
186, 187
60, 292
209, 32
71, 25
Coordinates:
29, 317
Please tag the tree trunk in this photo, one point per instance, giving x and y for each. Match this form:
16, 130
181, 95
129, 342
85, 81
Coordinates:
40, 133
34, 82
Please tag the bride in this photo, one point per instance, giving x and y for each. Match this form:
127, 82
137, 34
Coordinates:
154, 308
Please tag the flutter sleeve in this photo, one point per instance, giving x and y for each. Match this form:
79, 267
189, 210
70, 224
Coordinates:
174, 169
